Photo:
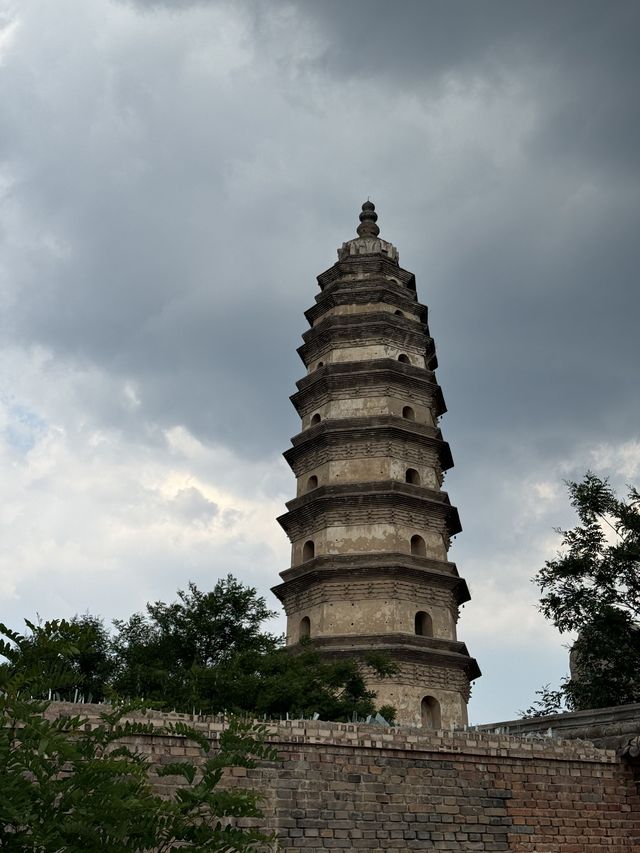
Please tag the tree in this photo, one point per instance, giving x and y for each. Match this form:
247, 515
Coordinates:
592, 587
75, 656
208, 651
300, 682
169, 654
205, 651
549, 702
71, 784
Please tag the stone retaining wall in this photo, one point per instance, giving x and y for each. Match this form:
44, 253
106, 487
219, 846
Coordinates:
358, 787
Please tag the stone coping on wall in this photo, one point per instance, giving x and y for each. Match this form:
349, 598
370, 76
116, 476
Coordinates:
371, 737
569, 720
610, 727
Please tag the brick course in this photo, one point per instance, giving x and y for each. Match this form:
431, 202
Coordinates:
358, 787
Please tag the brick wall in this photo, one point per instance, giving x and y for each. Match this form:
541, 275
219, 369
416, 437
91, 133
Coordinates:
357, 787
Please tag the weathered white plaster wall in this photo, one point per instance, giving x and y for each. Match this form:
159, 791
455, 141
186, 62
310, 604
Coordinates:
367, 538
366, 470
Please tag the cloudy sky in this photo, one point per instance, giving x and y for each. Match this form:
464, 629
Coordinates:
174, 175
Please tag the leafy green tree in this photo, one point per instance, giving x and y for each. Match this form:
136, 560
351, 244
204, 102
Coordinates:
73, 657
168, 653
207, 651
549, 702
72, 784
299, 682
592, 587
607, 662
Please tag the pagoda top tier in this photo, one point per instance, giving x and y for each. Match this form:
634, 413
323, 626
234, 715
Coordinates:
368, 241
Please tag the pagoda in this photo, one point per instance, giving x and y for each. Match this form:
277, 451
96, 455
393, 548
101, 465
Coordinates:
370, 527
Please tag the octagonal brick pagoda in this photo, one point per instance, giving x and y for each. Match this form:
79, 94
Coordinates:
370, 526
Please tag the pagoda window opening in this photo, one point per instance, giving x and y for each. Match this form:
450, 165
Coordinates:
412, 476
430, 713
308, 550
319, 365
398, 313
404, 358
423, 624
315, 419
304, 630
312, 483
408, 413
418, 546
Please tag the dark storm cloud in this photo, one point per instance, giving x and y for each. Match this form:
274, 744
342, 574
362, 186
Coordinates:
180, 279
154, 280
581, 56
555, 326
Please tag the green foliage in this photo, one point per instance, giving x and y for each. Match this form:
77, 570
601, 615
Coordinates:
299, 682
59, 657
68, 784
167, 655
205, 652
607, 661
593, 588
388, 712
550, 702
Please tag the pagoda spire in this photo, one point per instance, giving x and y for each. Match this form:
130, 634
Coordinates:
368, 241
368, 219
370, 526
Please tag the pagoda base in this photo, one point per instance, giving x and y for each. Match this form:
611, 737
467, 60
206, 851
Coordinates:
431, 684
409, 692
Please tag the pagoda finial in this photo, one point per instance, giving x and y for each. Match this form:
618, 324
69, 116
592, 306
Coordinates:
368, 242
368, 219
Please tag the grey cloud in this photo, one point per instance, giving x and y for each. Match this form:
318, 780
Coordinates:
190, 279
555, 330
579, 59
191, 504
